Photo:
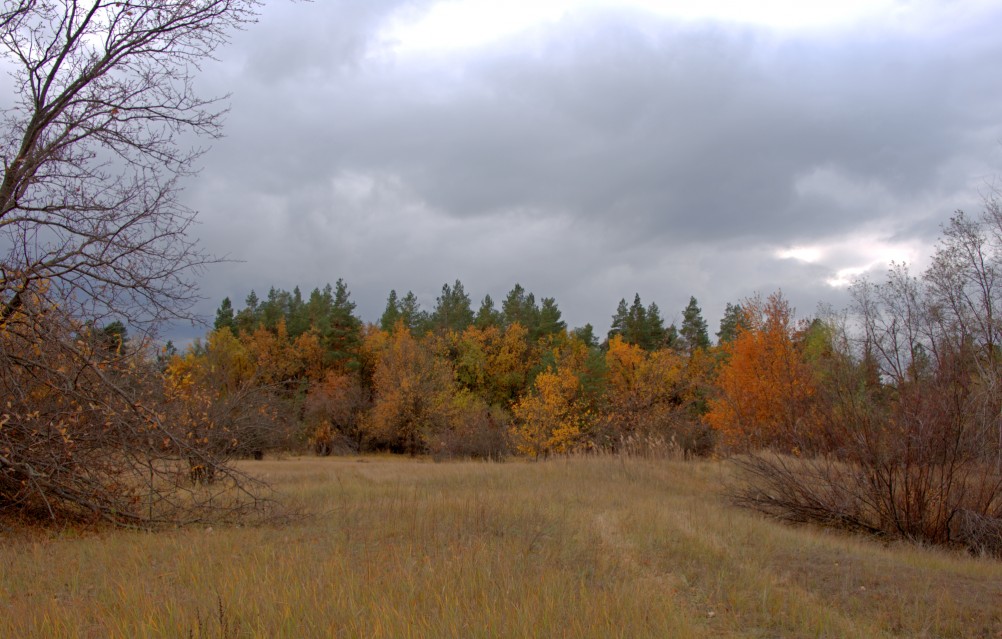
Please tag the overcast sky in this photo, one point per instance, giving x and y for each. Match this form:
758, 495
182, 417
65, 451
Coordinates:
591, 150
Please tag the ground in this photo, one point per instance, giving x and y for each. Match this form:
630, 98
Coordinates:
583, 547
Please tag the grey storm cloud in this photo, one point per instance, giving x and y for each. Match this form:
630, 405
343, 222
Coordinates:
602, 154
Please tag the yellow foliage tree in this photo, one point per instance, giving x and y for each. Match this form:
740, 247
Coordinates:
551, 419
653, 400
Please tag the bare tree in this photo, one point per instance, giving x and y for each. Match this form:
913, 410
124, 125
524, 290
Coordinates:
91, 228
91, 152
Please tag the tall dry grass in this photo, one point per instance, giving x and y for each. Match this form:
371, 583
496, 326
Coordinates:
588, 547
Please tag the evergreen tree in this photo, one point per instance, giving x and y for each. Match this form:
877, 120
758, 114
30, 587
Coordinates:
520, 307
487, 315
671, 337
636, 324
319, 308
732, 320
452, 310
298, 320
275, 308
415, 319
249, 317
549, 318
586, 334
693, 332
224, 316
655, 329
113, 336
344, 335
251, 303
619, 319
643, 327
391, 314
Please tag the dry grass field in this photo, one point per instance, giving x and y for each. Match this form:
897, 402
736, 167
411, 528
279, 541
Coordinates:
393, 547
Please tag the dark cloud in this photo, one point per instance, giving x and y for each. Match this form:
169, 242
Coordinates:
601, 155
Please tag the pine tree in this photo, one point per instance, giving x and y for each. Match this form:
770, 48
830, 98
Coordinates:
275, 308
319, 308
452, 309
249, 317
520, 307
298, 320
549, 318
636, 324
487, 315
732, 320
415, 319
586, 335
391, 314
655, 330
643, 327
619, 319
224, 315
344, 335
693, 331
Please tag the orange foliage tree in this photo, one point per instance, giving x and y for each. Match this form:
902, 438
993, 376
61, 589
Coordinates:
764, 387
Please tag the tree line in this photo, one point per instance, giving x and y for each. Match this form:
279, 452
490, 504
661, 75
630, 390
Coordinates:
454, 381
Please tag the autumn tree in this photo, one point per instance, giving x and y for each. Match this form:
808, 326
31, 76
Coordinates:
335, 412
653, 401
94, 145
906, 440
765, 387
494, 364
218, 401
413, 395
552, 418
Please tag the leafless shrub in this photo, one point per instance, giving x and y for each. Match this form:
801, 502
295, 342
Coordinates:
478, 432
983, 535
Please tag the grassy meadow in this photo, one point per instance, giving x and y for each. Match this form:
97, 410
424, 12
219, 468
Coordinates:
590, 547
